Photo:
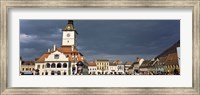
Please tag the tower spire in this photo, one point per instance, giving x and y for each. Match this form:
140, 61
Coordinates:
70, 26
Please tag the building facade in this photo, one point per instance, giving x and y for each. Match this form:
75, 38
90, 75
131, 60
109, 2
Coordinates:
27, 67
102, 66
92, 68
64, 60
127, 67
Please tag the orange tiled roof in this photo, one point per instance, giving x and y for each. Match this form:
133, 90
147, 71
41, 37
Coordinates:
66, 49
42, 58
92, 64
28, 63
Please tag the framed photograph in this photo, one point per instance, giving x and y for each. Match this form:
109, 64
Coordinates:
100, 47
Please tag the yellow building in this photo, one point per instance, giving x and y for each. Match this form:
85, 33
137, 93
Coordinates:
102, 66
27, 67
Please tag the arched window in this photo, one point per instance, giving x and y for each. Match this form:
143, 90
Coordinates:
52, 72
53, 65
48, 65
64, 65
46, 73
37, 72
38, 67
58, 65
64, 73
58, 72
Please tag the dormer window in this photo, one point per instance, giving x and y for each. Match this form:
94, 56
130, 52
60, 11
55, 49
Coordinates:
56, 56
67, 56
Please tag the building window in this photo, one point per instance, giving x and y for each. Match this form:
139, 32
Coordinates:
33, 69
53, 65
56, 56
64, 73
46, 73
52, 72
72, 58
26, 69
42, 66
58, 65
22, 69
48, 65
38, 66
64, 65
37, 73
58, 72
67, 56
76, 58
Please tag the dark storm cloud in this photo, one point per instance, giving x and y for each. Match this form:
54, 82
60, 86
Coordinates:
128, 37
123, 39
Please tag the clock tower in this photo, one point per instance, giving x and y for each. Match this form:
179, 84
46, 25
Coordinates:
69, 35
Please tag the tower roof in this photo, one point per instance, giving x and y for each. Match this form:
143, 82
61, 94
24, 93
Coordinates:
69, 26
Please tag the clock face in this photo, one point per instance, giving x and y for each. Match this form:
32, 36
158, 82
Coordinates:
68, 35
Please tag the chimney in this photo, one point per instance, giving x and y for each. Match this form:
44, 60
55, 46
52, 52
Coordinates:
49, 50
72, 48
54, 47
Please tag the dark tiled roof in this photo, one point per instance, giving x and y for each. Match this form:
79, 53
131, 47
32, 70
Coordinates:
162, 59
169, 56
172, 59
172, 49
112, 64
146, 64
92, 64
136, 63
102, 60
28, 63
128, 63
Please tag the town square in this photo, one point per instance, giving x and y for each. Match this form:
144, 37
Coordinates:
71, 58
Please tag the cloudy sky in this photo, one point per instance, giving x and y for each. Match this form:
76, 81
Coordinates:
101, 39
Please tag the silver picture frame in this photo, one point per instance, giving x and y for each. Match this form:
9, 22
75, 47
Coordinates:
4, 46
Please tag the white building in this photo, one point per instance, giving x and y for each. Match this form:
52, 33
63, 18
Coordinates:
92, 68
116, 67
127, 65
120, 69
112, 68
62, 60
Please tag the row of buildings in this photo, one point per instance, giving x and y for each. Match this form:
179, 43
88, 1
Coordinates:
105, 67
167, 63
67, 60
